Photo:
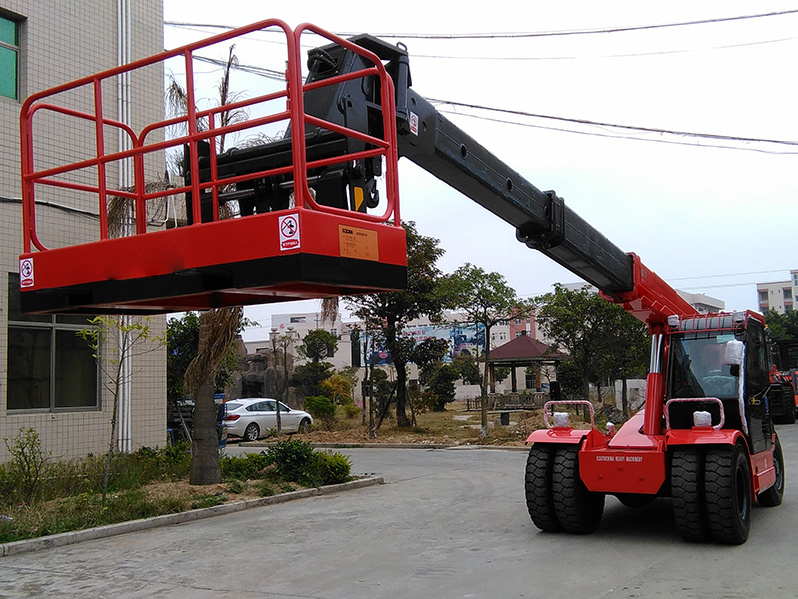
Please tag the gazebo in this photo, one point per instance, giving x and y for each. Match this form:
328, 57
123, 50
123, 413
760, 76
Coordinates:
522, 351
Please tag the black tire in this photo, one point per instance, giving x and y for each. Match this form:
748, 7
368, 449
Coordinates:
537, 487
727, 491
772, 496
578, 510
687, 490
635, 500
252, 432
304, 426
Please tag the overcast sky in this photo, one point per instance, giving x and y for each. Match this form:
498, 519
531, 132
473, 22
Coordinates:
706, 219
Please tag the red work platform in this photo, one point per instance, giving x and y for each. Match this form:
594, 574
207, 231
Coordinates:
312, 249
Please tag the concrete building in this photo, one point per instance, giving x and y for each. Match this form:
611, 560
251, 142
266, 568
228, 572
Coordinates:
781, 296
48, 378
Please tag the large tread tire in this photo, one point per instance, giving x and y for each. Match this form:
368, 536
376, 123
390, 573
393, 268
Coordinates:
772, 496
687, 490
537, 487
578, 510
727, 491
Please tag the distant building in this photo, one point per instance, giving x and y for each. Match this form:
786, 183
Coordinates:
781, 296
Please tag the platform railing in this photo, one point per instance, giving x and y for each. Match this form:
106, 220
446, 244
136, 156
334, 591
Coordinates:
293, 114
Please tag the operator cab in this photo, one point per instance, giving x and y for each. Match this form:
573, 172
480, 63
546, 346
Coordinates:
720, 357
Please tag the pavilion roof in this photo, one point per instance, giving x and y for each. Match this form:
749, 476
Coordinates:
525, 349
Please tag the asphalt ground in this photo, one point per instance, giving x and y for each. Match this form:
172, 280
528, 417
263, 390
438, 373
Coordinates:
447, 523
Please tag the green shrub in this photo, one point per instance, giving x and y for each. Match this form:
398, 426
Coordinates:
292, 459
29, 466
351, 409
333, 468
266, 490
322, 409
246, 467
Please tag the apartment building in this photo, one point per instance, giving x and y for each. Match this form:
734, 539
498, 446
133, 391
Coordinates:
781, 296
49, 380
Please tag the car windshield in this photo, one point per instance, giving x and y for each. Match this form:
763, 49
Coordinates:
697, 368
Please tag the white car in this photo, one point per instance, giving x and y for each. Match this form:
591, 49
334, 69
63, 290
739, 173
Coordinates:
254, 417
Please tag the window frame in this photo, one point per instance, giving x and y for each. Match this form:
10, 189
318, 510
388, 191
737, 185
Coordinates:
55, 325
16, 49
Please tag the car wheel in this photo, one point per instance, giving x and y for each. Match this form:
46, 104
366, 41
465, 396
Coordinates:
252, 432
304, 426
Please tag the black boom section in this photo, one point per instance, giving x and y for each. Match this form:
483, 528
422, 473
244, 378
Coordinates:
430, 140
542, 219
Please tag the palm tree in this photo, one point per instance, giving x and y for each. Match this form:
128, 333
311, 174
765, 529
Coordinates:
219, 326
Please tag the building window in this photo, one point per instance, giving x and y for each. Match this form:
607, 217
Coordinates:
9, 58
49, 366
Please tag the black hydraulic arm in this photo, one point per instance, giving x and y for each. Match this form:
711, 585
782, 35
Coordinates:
541, 218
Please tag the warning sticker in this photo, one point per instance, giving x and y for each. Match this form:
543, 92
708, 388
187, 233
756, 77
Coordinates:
26, 272
358, 243
289, 232
413, 123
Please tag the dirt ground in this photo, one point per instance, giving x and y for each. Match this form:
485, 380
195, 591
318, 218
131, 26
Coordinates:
454, 426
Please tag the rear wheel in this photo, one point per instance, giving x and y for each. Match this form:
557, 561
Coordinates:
687, 489
578, 510
772, 496
727, 491
252, 432
537, 487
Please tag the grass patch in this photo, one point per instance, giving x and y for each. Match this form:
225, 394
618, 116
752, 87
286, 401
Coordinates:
56, 497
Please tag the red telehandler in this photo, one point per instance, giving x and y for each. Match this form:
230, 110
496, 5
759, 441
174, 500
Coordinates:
784, 381
705, 437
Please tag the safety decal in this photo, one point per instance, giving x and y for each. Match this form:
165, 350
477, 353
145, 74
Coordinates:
26, 272
289, 232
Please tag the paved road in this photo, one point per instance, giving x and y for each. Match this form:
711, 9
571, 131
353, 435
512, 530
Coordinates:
447, 524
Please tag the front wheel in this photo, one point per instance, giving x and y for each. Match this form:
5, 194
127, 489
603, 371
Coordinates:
687, 490
537, 488
252, 432
578, 510
727, 491
304, 426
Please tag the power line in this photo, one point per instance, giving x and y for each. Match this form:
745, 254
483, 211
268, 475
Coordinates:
712, 136
561, 33
619, 136
605, 56
583, 31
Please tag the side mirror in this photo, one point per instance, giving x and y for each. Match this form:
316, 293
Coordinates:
734, 370
735, 354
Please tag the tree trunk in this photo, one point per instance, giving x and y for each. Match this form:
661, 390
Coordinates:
624, 398
483, 429
205, 469
401, 394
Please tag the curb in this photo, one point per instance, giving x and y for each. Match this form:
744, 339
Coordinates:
255, 444
109, 530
